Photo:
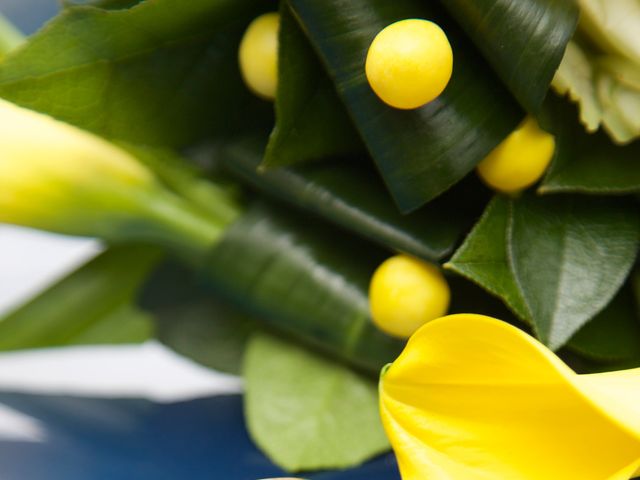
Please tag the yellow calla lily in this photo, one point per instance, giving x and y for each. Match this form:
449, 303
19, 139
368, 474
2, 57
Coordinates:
56, 177
474, 398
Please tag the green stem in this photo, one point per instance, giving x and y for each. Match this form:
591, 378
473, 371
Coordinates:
10, 36
185, 229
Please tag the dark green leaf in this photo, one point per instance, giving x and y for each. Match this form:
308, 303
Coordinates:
569, 256
523, 40
191, 320
311, 121
482, 258
422, 152
588, 163
161, 73
306, 412
92, 305
614, 334
556, 262
304, 279
350, 194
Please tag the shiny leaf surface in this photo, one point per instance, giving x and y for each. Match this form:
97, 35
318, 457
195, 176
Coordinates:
523, 40
347, 192
420, 153
304, 279
311, 121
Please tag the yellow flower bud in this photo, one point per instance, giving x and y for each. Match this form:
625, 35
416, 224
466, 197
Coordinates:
520, 160
405, 293
56, 177
258, 55
474, 398
409, 63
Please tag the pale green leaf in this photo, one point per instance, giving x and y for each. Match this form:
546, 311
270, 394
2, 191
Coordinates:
307, 412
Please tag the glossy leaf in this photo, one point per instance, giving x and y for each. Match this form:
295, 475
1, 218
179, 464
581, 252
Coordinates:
160, 73
523, 40
311, 121
569, 256
482, 258
92, 305
613, 334
350, 194
588, 163
307, 412
304, 279
422, 152
556, 262
190, 319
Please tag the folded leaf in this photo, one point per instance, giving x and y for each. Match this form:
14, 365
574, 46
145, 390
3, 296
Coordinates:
523, 40
169, 76
311, 121
92, 305
561, 262
482, 258
307, 412
347, 192
193, 321
305, 279
569, 256
423, 152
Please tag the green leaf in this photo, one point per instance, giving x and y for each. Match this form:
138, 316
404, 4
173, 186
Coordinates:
190, 319
614, 334
311, 121
569, 256
589, 163
523, 40
159, 73
482, 258
422, 152
305, 279
555, 261
306, 412
349, 193
92, 305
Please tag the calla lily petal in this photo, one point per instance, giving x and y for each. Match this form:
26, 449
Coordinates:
474, 398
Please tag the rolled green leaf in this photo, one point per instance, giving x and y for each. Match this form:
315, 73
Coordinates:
348, 192
311, 121
303, 279
94, 304
523, 40
190, 318
420, 153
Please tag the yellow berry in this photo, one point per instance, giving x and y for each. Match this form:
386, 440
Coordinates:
405, 293
258, 55
409, 63
520, 160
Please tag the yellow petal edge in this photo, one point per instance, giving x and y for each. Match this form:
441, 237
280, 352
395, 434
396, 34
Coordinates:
474, 398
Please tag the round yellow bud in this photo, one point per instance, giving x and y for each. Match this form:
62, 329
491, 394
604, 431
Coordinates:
258, 55
409, 63
520, 160
405, 293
